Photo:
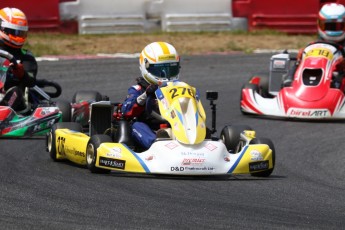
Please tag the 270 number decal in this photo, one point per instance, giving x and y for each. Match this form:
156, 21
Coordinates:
180, 91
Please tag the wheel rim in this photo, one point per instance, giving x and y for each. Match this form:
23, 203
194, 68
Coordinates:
90, 154
222, 137
50, 142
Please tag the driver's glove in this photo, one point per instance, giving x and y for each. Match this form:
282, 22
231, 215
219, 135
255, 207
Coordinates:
18, 70
151, 89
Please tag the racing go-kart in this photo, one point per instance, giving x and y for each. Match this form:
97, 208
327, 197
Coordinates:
189, 149
316, 92
40, 112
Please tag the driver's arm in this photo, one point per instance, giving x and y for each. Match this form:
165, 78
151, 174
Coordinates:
30, 70
130, 107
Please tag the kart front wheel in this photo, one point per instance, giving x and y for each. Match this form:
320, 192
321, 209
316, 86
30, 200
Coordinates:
268, 142
87, 95
51, 137
91, 152
230, 135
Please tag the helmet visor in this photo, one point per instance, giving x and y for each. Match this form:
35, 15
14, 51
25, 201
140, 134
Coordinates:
331, 25
13, 32
166, 70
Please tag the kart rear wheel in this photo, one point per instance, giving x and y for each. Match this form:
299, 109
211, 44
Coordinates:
270, 144
66, 110
91, 152
230, 135
51, 138
86, 95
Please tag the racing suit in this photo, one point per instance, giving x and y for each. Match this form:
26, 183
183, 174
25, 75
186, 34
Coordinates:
14, 87
144, 125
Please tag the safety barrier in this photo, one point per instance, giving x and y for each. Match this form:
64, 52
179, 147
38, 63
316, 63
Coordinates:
196, 15
286, 15
123, 16
106, 16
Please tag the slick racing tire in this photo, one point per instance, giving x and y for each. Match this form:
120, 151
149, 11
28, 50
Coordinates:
270, 144
66, 110
86, 95
51, 138
51, 88
230, 135
91, 152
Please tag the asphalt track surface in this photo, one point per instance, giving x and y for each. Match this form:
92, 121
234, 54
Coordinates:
305, 191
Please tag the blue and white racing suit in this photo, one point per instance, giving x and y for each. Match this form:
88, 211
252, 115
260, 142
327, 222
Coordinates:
142, 128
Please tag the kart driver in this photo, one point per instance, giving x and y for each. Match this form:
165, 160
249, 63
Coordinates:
13, 33
331, 28
159, 63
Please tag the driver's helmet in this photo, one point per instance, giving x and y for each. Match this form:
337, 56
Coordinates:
13, 27
331, 22
159, 63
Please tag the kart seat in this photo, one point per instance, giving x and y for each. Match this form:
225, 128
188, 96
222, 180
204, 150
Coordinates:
26, 102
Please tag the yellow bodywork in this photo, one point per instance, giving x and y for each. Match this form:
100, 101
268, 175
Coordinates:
127, 161
185, 113
71, 145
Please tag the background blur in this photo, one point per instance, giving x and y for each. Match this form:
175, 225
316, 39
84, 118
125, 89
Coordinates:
143, 16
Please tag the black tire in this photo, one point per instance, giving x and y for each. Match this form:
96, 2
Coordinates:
51, 138
270, 144
66, 110
51, 88
230, 135
87, 95
91, 152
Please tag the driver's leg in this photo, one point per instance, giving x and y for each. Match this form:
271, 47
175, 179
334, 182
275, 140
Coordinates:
142, 134
14, 99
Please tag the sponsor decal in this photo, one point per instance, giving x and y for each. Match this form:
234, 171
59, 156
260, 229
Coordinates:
173, 114
43, 126
308, 112
210, 146
193, 161
177, 169
279, 64
115, 152
166, 57
78, 153
12, 99
259, 165
176, 126
181, 169
256, 155
149, 158
113, 163
171, 145
199, 154
227, 158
